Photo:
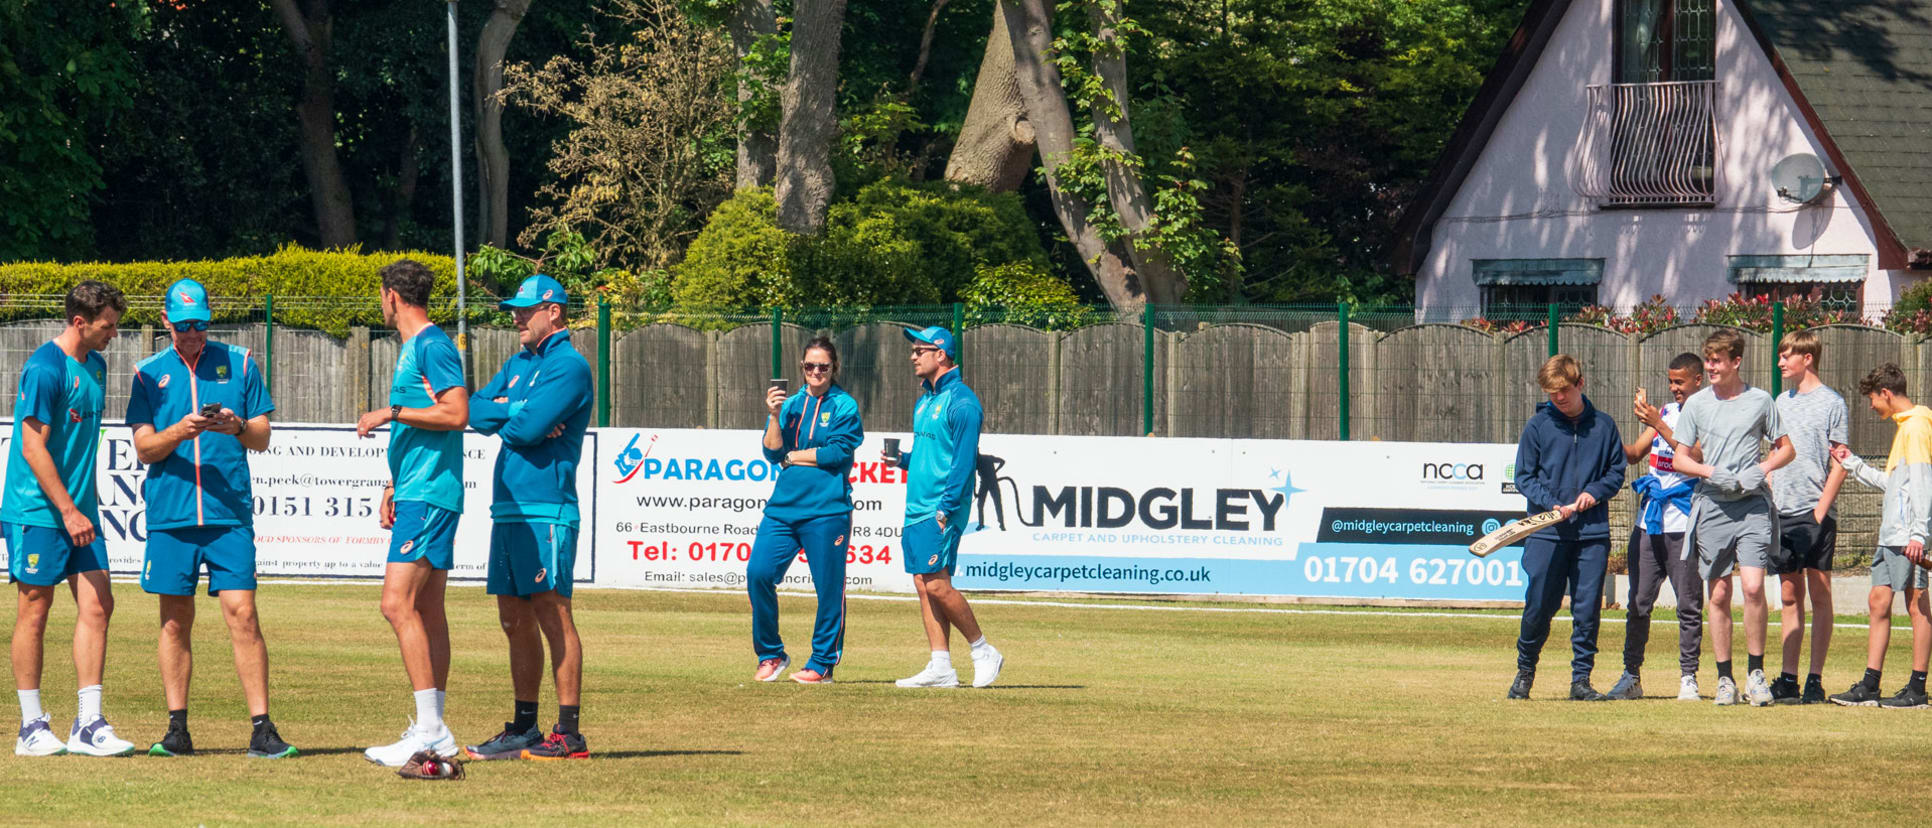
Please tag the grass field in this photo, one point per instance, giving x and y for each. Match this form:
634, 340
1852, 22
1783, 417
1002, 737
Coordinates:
1104, 714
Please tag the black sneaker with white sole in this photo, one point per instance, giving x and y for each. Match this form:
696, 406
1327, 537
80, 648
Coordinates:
1906, 699
1858, 696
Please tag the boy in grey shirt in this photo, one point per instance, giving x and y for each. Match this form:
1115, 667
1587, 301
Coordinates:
1733, 524
1814, 417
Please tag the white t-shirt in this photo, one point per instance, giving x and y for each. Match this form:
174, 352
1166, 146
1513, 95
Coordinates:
1662, 460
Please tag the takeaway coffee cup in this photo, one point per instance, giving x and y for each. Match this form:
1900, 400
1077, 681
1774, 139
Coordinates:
892, 449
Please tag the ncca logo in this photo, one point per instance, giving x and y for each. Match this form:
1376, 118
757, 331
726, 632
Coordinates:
1470, 472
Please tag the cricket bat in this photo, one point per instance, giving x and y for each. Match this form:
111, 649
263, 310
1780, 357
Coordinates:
1514, 532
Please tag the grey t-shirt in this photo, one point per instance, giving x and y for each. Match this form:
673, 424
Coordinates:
1732, 432
1814, 420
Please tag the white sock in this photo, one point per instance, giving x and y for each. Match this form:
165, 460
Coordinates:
980, 646
942, 658
441, 704
90, 703
428, 718
29, 706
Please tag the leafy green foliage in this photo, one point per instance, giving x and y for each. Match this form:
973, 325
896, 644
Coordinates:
1023, 293
349, 284
892, 243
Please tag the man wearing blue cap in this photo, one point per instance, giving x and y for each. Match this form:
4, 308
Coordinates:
197, 408
539, 404
52, 509
939, 498
428, 408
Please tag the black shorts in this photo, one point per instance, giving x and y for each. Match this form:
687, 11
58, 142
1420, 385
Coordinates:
1804, 543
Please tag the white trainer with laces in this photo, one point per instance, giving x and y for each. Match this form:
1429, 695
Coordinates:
37, 739
1687, 689
1726, 691
416, 738
96, 738
935, 675
1756, 689
986, 666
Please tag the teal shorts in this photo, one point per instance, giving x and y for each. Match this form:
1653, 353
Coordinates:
424, 533
531, 558
44, 556
175, 558
926, 549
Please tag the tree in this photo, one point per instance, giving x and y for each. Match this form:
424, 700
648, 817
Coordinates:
996, 142
804, 177
309, 26
492, 158
754, 36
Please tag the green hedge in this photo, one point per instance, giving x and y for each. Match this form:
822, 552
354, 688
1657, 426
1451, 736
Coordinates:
325, 290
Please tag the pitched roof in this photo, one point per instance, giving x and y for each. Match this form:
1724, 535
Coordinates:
1859, 70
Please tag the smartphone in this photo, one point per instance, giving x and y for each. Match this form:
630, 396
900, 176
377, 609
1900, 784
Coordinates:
780, 383
211, 410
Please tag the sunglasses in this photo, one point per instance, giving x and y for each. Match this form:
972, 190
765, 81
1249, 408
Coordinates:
816, 367
190, 325
922, 351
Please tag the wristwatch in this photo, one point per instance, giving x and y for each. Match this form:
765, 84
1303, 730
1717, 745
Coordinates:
395, 413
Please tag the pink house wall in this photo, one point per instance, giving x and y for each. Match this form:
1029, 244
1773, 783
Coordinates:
1519, 202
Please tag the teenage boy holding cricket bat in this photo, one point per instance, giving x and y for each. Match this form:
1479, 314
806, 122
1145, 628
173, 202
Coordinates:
1570, 459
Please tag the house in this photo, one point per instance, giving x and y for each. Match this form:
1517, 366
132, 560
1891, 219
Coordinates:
1625, 148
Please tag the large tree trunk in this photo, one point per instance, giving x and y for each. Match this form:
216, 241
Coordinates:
757, 148
309, 32
492, 158
1164, 284
404, 195
1030, 25
995, 148
804, 185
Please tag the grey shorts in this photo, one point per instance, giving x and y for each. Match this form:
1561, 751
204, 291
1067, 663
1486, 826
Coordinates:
1890, 568
1733, 533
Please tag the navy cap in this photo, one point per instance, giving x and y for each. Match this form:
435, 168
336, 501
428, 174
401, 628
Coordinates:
535, 291
187, 302
937, 337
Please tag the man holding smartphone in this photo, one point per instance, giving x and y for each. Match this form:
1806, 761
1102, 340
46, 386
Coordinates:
197, 408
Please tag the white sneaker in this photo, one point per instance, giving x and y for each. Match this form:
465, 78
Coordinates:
1756, 689
96, 738
37, 739
1687, 689
1726, 690
933, 676
440, 741
986, 668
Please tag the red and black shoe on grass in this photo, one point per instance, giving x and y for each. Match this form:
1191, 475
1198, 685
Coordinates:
559, 746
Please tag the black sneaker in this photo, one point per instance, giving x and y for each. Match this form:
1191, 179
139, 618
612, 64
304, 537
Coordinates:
1858, 696
1785, 691
509, 744
560, 746
1519, 689
176, 743
1814, 692
1582, 691
1907, 699
268, 744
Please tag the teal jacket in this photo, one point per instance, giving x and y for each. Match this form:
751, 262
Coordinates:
945, 451
831, 425
536, 474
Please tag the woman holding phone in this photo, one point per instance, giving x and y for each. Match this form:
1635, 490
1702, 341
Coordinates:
810, 437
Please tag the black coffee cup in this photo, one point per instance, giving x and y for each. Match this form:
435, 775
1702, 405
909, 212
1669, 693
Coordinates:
892, 449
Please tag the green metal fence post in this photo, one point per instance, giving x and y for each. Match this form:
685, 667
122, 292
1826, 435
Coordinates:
777, 351
603, 362
1777, 335
959, 333
1553, 320
1341, 372
1147, 369
268, 348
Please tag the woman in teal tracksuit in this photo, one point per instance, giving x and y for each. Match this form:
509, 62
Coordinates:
811, 437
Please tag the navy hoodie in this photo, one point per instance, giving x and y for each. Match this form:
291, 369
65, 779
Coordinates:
1559, 457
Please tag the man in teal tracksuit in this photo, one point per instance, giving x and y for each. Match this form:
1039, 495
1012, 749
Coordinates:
539, 404
939, 497
810, 438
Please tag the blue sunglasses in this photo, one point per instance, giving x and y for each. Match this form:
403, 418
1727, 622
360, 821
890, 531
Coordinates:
191, 325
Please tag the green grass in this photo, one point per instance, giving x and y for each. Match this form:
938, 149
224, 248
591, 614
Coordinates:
1103, 715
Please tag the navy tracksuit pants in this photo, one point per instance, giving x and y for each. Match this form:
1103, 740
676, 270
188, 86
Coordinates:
824, 540
1555, 567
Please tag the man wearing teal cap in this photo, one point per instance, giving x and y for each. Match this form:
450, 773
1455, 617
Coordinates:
939, 497
197, 408
539, 404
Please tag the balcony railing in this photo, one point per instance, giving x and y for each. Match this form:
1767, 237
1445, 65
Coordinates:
1649, 144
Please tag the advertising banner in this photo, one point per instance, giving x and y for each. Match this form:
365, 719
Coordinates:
1099, 514
316, 491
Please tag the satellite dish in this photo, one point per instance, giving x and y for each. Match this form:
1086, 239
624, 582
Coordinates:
1800, 177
